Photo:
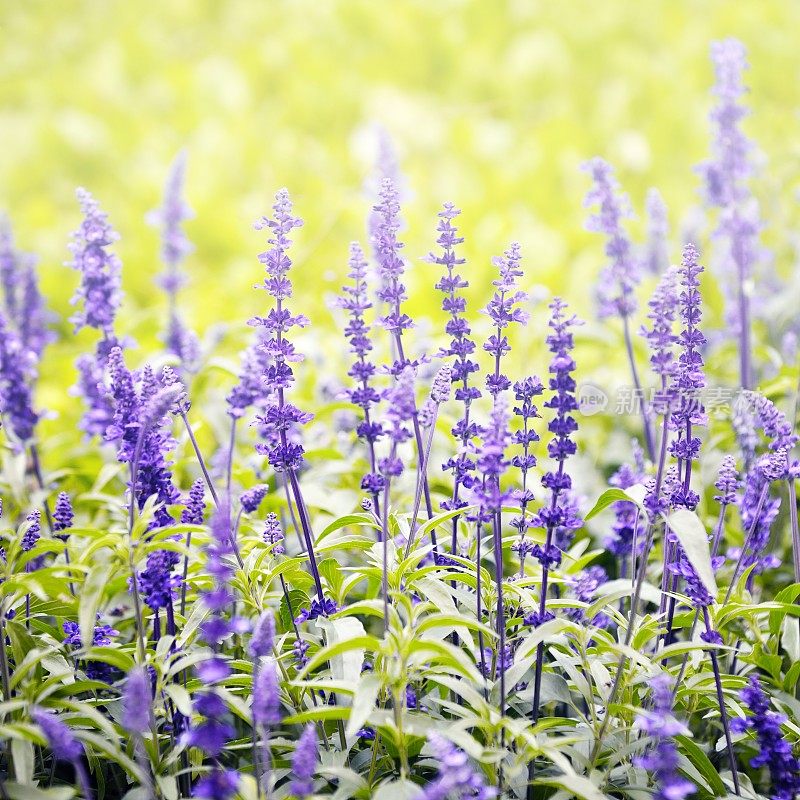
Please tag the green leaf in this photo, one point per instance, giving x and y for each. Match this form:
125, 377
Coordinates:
363, 702
346, 664
22, 754
298, 600
348, 519
693, 538
90, 595
17, 792
786, 595
608, 497
577, 785
400, 789
701, 761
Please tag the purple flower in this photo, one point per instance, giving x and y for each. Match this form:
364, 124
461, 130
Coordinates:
63, 515
100, 270
696, 591
218, 565
656, 254
662, 760
757, 518
213, 731
59, 737
23, 301
492, 463
775, 424
689, 379
195, 507
727, 481
355, 301
102, 636
584, 586
400, 409
387, 249
461, 348
299, 650
304, 763
174, 248
170, 218
455, 776
251, 389
563, 425
219, 784
660, 337
12, 262
524, 393
33, 530
273, 534
619, 278
775, 752
92, 387
627, 523
17, 371
280, 418
323, 607
726, 175
503, 309
140, 423
266, 696
263, 638
136, 700
251, 499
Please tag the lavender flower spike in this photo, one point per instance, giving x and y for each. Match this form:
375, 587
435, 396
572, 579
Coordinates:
304, 763
726, 176
492, 464
392, 292
462, 349
355, 301
280, 418
440, 393
263, 637
656, 256
563, 425
136, 701
63, 515
211, 733
23, 302
174, 249
99, 290
662, 760
622, 274
456, 778
689, 379
16, 372
64, 745
170, 218
775, 752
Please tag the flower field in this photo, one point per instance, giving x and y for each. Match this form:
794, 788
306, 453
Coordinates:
506, 542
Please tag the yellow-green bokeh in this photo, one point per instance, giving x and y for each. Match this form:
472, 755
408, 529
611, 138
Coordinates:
492, 105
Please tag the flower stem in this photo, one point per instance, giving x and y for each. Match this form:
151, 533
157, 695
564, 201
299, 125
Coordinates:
201, 460
722, 710
648, 433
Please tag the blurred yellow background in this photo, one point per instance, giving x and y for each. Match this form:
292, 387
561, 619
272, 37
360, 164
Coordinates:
492, 105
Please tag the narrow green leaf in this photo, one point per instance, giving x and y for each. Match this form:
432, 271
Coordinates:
701, 761
363, 702
693, 538
90, 594
22, 754
608, 497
